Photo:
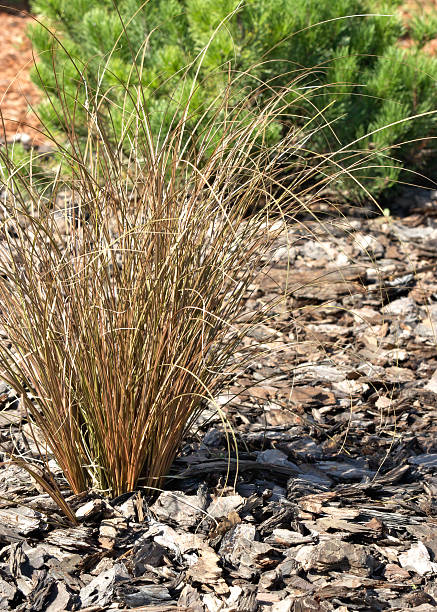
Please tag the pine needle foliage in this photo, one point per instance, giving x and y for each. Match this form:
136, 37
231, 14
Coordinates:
423, 28
360, 81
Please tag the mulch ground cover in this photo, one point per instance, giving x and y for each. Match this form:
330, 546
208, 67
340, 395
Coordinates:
330, 501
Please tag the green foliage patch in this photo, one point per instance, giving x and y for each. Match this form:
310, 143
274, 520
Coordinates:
354, 87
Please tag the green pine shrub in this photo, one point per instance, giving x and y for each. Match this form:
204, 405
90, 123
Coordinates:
423, 28
349, 74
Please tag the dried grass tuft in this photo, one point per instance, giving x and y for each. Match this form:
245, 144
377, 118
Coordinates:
121, 302
120, 306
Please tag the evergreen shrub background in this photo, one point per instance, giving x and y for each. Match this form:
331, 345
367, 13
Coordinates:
360, 78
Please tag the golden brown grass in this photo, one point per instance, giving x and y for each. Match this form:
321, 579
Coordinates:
120, 305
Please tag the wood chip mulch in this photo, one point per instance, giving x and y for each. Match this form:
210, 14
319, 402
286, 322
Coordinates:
334, 503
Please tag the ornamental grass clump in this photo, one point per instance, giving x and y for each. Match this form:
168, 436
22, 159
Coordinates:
125, 265
122, 280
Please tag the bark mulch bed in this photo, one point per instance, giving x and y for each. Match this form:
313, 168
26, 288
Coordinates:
330, 503
333, 506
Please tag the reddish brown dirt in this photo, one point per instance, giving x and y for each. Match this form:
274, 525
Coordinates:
419, 7
17, 93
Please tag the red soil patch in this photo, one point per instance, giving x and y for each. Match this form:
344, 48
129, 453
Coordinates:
419, 7
17, 92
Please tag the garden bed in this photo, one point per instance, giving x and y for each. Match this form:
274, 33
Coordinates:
333, 506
